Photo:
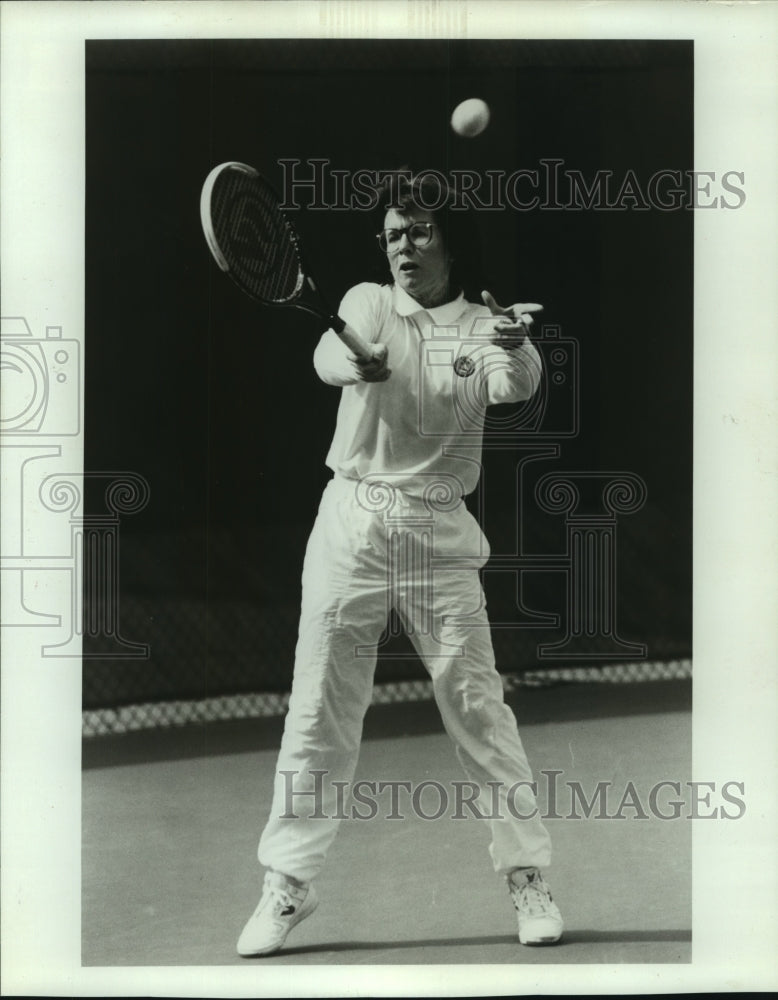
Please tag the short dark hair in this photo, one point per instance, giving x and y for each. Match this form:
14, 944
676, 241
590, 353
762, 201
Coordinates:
402, 190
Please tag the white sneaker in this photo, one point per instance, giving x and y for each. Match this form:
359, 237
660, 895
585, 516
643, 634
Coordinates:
540, 921
283, 904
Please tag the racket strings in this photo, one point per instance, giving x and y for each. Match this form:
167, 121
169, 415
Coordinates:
259, 246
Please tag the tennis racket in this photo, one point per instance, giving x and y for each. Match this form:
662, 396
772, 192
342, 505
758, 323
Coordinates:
254, 242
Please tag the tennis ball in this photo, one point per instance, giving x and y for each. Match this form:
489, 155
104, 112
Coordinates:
470, 117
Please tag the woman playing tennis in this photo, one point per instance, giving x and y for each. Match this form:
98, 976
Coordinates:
405, 453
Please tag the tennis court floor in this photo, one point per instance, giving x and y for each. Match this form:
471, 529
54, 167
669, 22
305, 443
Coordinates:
171, 820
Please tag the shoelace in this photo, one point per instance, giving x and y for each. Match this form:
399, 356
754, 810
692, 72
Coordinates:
531, 898
283, 904
275, 901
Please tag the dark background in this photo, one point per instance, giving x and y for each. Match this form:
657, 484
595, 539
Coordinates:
214, 400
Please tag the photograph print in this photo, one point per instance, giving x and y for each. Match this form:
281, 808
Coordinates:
390, 355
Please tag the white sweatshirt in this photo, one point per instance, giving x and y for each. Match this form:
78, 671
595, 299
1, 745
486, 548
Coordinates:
426, 420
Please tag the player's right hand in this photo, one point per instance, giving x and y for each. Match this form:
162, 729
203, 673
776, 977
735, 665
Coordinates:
374, 369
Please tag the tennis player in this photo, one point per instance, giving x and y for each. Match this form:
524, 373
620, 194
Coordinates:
405, 453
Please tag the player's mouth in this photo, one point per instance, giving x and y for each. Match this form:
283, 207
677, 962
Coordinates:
408, 265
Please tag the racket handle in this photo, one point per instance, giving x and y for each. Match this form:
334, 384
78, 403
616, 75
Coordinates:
359, 347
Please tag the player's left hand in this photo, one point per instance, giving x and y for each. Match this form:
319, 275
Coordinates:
512, 327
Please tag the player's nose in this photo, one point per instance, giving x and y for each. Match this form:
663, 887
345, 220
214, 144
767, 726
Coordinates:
405, 243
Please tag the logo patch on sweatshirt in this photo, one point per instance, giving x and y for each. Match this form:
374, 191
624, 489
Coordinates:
464, 366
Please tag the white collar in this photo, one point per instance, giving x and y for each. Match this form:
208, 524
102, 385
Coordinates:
405, 305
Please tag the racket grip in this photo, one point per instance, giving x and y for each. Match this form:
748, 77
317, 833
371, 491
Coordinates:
351, 339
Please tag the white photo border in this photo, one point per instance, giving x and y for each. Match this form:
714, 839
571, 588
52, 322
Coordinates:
736, 487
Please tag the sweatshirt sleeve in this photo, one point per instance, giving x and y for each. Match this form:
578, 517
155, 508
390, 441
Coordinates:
512, 376
505, 376
360, 309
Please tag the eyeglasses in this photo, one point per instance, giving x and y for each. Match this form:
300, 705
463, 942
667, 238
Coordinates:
419, 235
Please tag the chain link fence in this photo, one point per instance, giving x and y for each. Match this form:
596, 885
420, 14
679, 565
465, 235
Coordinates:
166, 714
222, 647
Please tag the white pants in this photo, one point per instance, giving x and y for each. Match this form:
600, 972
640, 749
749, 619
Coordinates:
361, 560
